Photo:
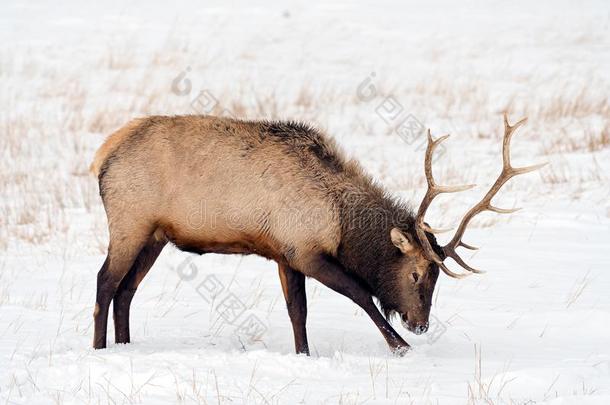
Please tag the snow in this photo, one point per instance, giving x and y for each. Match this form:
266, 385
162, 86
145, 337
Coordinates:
533, 329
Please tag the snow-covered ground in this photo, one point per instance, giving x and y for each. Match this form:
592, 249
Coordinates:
534, 329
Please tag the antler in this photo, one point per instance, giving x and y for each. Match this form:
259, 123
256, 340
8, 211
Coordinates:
507, 173
433, 191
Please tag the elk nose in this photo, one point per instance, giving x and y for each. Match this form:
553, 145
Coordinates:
422, 328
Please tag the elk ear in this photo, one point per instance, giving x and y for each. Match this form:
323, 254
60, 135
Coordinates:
401, 241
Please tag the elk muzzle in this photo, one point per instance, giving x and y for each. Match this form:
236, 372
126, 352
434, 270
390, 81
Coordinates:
417, 326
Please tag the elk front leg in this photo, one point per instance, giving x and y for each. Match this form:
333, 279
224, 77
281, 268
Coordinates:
293, 286
333, 276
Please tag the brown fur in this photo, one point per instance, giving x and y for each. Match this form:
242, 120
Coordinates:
280, 190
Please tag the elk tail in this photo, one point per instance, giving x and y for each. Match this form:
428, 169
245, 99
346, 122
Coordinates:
111, 143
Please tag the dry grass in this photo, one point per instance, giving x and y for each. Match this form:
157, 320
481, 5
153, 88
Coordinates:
585, 139
487, 390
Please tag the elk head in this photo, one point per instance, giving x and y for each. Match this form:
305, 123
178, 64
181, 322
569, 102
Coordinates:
424, 257
418, 276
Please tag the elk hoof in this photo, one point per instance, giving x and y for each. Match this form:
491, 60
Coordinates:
400, 351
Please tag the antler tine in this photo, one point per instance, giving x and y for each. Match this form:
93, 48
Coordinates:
453, 254
433, 190
432, 144
450, 273
467, 246
435, 231
502, 210
507, 173
440, 263
509, 130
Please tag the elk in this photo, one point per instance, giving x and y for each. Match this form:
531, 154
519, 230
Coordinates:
280, 190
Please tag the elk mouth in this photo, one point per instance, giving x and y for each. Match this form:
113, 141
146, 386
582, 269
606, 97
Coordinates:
416, 327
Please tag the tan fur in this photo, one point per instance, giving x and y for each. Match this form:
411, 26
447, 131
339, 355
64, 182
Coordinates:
401, 241
417, 257
111, 143
283, 281
421, 263
187, 179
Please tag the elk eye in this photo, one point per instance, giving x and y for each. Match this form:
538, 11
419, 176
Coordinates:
415, 276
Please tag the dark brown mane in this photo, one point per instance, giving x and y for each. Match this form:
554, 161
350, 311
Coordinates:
300, 138
368, 215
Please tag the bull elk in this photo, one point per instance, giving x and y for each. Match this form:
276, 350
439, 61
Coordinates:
281, 190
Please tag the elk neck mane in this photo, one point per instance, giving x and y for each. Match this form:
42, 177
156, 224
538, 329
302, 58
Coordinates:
367, 216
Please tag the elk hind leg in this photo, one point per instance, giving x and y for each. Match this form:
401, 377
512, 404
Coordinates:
128, 286
122, 252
